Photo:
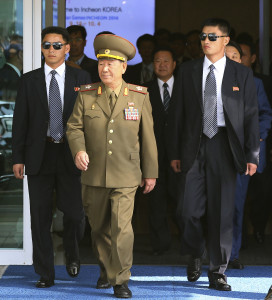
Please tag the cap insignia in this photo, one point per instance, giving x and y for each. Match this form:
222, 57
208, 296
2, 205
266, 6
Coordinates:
107, 51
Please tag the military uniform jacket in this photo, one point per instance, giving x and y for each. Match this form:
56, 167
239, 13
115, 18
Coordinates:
121, 151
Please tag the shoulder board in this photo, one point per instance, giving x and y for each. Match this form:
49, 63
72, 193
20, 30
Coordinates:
89, 87
138, 89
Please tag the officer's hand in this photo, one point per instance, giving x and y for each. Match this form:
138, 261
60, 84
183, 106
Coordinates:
175, 164
82, 160
149, 184
251, 169
18, 170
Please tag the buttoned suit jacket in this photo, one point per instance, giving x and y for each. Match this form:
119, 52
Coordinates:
240, 107
160, 118
31, 117
121, 152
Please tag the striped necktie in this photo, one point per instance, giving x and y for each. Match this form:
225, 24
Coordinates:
166, 96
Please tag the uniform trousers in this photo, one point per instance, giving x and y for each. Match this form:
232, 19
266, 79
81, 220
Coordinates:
54, 176
208, 190
110, 213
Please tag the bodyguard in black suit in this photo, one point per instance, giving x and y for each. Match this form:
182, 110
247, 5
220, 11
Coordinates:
214, 134
162, 93
44, 102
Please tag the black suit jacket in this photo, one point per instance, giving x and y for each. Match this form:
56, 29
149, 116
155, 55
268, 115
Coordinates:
240, 110
91, 66
133, 74
160, 118
8, 83
31, 117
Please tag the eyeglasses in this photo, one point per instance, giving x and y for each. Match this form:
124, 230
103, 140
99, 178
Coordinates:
211, 36
56, 45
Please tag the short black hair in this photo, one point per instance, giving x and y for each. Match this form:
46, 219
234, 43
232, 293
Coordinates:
222, 24
57, 30
144, 38
236, 46
164, 48
77, 28
105, 32
246, 39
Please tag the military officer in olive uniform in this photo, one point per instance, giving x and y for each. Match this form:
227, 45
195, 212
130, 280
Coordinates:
110, 133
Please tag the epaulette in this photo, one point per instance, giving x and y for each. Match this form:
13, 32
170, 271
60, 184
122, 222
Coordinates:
89, 87
138, 88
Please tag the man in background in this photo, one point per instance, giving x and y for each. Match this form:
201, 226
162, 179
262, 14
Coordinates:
77, 58
162, 91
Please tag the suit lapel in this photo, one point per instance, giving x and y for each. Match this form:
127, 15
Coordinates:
68, 91
103, 101
41, 88
197, 79
229, 81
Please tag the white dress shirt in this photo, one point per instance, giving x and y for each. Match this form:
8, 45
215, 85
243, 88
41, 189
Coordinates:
170, 83
60, 77
218, 73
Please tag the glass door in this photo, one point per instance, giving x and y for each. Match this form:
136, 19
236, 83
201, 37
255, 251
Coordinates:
20, 30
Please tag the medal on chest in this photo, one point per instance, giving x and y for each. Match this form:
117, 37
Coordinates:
131, 113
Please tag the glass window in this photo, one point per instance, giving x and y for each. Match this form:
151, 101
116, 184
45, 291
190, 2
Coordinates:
11, 65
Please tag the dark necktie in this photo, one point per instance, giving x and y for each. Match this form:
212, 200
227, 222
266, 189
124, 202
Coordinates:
166, 96
112, 100
210, 105
55, 109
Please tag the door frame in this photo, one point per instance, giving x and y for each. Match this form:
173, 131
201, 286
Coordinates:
32, 24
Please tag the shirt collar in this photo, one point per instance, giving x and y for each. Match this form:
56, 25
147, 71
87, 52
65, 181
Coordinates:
14, 68
219, 64
170, 82
116, 91
60, 70
79, 61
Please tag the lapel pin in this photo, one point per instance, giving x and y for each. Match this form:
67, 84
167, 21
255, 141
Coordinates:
139, 88
235, 88
76, 89
88, 86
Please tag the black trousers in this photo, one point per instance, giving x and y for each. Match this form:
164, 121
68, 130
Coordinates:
163, 194
208, 190
54, 176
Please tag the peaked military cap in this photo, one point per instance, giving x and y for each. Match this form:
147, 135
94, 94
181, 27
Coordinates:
113, 46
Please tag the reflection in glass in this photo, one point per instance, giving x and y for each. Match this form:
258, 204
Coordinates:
11, 65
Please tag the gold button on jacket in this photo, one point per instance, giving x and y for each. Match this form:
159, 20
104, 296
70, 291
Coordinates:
93, 128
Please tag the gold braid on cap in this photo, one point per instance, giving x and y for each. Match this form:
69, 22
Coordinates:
111, 56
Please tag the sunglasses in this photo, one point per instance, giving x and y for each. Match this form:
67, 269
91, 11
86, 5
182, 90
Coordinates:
211, 36
56, 45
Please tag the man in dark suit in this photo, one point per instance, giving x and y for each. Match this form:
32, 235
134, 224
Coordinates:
161, 91
142, 72
214, 134
11, 72
234, 52
44, 102
77, 58
260, 187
